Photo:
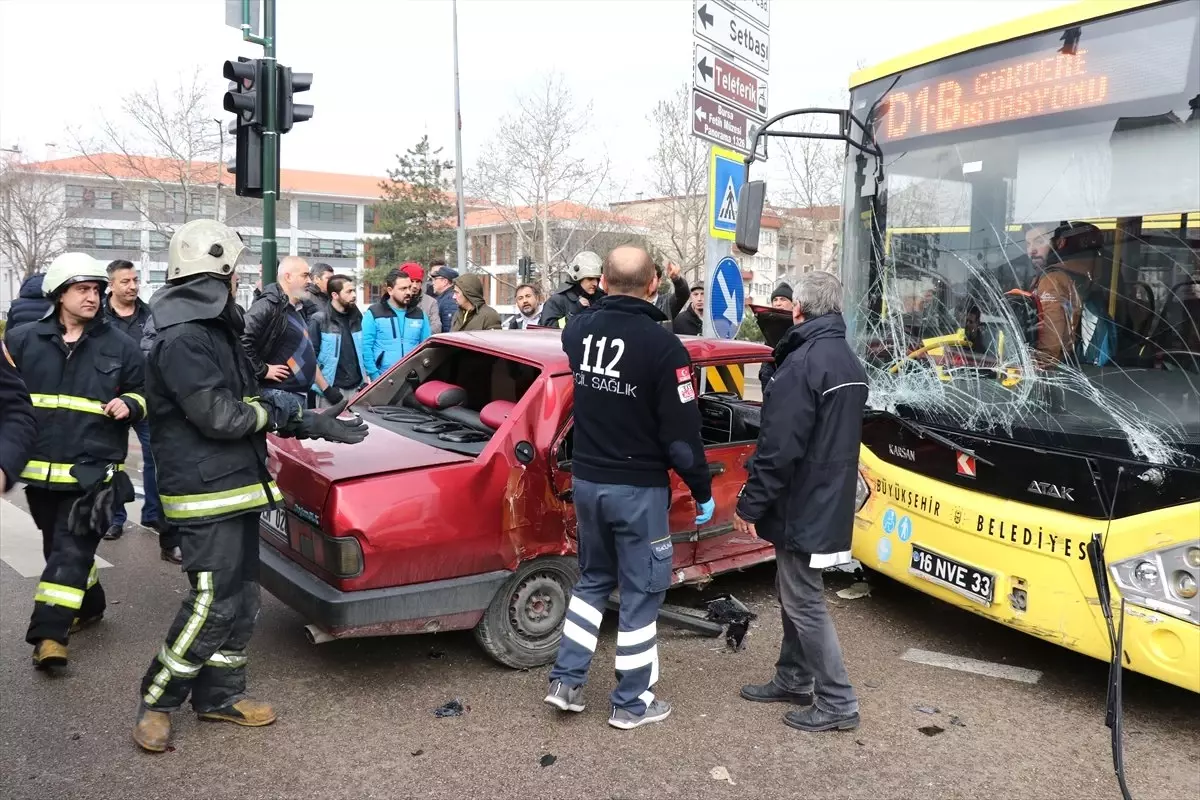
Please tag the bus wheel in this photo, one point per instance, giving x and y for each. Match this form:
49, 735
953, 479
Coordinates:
523, 624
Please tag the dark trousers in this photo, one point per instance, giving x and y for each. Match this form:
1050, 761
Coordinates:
204, 654
151, 507
810, 658
625, 543
70, 585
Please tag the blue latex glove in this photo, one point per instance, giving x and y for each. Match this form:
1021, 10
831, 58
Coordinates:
706, 510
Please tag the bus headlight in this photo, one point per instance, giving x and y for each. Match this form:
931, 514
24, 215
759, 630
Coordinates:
861, 492
1164, 580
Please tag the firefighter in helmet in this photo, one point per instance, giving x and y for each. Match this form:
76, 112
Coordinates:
85, 380
210, 445
582, 290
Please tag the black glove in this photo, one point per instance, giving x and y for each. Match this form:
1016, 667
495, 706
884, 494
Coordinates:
332, 395
326, 425
93, 513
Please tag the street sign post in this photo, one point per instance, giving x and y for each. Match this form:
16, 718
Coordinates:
757, 11
726, 174
719, 123
727, 298
748, 43
724, 80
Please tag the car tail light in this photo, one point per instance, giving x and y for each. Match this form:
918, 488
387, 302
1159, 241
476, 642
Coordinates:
341, 556
1164, 580
862, 491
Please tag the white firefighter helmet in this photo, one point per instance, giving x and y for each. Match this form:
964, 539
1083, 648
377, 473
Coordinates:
72, 268
203, 246
585, 264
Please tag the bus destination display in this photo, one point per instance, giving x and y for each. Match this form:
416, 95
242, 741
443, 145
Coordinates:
1079, 74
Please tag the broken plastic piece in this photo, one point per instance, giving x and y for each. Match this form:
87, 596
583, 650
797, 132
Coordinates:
418, 752
452, 709
728, 610
855, 591
956, 720
931, 730
721, 774
928, 709
548, 759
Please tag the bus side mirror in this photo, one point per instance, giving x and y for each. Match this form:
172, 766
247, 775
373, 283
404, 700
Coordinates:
749, 215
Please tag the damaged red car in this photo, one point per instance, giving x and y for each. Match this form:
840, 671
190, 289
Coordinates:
455, 513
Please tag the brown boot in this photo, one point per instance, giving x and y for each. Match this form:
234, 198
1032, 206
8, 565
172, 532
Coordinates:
49, 654
250, 713
153, 730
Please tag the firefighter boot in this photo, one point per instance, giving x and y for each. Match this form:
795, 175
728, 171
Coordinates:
48, 654
153, 730
79, 624
250, 713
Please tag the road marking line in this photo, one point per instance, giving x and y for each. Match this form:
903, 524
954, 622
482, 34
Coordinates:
21, 542
963, 664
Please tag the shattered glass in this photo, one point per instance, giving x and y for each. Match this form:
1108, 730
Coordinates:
1039, 278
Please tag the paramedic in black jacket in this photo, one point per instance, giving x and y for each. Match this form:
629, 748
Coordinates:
800, 496
636, 417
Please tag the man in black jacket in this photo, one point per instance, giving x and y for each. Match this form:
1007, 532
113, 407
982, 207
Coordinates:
85, 380
672, 302
636, 417
210, 441
800, 496
318, 291
690, 321
18, 427
31, 303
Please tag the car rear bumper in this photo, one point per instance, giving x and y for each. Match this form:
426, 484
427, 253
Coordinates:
379, 610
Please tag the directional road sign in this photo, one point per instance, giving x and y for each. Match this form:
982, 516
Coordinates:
720, 123
758, 11
748, 43
726, 174
724, 80
727, 298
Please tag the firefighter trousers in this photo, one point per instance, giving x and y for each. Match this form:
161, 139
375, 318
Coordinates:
625, 543
70, 585
204, 654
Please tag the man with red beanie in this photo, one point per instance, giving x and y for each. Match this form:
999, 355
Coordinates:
420, 299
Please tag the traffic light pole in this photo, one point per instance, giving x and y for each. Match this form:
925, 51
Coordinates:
270, 133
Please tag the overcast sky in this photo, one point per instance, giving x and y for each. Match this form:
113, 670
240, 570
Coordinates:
383, 68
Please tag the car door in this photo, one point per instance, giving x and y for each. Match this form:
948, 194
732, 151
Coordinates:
681, 515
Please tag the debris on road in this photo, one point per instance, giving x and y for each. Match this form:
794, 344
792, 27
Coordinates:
931, 730
855, 591
416, 753
721, 774
870, 684
956, 720
454, 708
853, 568
548, 759
728, 610
928, 709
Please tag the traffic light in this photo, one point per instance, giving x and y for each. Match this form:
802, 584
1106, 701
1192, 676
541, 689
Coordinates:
290, 83
247, 99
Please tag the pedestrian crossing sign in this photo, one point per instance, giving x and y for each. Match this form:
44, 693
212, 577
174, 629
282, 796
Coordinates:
726, 174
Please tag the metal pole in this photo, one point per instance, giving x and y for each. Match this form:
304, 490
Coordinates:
270, 147
458, 156
220, 170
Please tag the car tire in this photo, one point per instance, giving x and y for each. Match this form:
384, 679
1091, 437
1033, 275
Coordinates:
522, 626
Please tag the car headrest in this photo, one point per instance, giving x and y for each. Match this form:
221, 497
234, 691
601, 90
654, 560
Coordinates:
495, 412
440, 395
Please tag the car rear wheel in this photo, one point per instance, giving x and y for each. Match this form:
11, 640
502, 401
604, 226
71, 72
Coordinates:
523, 624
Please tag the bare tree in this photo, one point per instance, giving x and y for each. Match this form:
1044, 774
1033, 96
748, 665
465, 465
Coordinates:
534, 176
680, 165
168, 141
33, 218
814, 169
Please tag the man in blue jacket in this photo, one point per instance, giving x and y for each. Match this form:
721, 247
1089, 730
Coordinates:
441, 288
390, 329
336, 333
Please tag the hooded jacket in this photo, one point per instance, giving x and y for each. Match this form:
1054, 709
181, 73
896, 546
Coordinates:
31, 304
801, 482
209, 435
69, 389
481, 317
565, 303
388, 335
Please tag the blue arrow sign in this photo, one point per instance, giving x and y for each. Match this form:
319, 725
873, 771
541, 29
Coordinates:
726, 174
727, 298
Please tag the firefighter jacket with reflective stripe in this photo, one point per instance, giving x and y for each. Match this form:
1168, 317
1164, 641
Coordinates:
209, 433
69, 386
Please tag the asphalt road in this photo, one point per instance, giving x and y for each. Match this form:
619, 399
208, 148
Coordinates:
356, 717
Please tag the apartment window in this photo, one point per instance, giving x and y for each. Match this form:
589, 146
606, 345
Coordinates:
334, 213
99, 199
254, 244
505, 250
324, 248
370, 219
158, 242
103, 239
481, 251
808, 248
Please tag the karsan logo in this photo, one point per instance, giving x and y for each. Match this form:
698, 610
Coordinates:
902, 452
1051, 490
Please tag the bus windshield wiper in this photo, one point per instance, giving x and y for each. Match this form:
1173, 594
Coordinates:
925, 432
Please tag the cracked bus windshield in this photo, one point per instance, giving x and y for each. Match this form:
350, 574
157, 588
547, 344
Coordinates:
1025, 262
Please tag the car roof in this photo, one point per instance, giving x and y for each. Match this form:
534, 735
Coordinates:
543, 346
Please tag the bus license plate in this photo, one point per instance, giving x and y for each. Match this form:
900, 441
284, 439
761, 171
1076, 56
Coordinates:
971, 583
275, 520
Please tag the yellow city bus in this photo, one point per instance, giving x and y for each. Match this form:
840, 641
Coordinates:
1021, 258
